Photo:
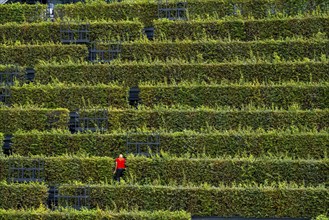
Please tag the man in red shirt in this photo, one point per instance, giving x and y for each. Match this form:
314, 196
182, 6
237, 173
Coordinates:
120, 166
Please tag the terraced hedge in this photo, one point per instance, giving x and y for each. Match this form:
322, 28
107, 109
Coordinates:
213, 144
70, 96
147, 11
249, 201
308, 96
21, 13
132, 73
13, 119
50, 31
91, 214
182, 171
243, 29
29, 55
17, 196
196, 119
220, 51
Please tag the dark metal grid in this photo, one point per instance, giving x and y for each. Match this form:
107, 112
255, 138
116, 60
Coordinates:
7, 145
18, 172
178, 12
104, 52
89, 120
73, 32
79, 199
5, 95
142, 143
8, 76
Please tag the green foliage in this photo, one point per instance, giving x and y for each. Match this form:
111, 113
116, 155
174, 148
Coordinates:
179, 119
213, 143
181, 171
131, 73
98, 214
17, 196
50, 31
21, 13
16, 118
29, 55
243, 29
307, 96
244, 201
70, 96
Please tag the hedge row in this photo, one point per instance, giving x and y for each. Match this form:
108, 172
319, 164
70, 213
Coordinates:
213, 144
18, 196
245, 30
13, 119
50, 31
221, 51
148, 11
246, 201
59, 170
70, 96
45, 214
29, 55
196, 119
21, 13
132, 73
308, 96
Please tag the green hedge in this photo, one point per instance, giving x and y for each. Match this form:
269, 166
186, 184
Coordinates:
66, 169
205, 50
196, 119
13, 119
308, 96
248, 201
244, 30
70, 96
21, 13
18, 196
91, 215
29, 55
50, 31
147, 11
213, 144
132, 73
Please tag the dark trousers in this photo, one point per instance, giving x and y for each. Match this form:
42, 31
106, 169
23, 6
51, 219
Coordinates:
118, 174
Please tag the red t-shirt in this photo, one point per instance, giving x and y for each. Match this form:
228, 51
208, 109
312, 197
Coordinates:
121, 163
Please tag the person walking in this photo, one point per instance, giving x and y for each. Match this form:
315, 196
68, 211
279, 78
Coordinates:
120, 166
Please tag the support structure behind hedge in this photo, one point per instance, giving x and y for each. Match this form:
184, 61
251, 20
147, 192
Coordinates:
213, 144
132, 73
248, 201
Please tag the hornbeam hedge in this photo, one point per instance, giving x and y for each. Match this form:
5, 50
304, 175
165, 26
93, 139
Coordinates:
29, 55
132, 73
70, 96
308, 96
242, 29
13, 119
21, 13
214, 50
66, 169
214, 144
147, 11
201, 118
18, 196
50, 31
247, 201
46, 214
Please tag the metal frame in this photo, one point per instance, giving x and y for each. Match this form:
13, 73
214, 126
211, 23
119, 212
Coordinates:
80, 198
74, 32
18, 172
89, 120
179, 12
104, 51
135, 147
8, 76
5, 95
